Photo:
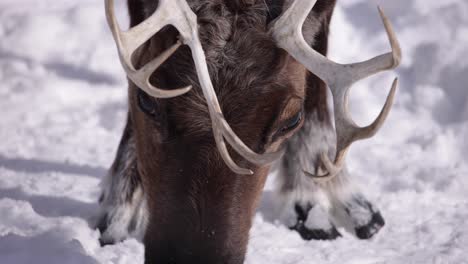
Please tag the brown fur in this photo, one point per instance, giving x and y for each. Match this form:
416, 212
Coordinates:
200, 211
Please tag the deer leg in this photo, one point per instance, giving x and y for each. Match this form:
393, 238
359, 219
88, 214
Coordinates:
315, 209
304, 206
351, 209
122, 204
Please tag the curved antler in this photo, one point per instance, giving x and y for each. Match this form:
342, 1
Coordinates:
129, 41
287, 31
179, 14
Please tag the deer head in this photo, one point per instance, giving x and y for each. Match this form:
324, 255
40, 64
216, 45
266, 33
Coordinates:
204, 150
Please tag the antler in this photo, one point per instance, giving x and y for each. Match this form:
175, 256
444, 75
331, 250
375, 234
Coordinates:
179, 14
287, 31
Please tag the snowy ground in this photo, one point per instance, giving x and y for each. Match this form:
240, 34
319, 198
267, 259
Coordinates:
62, 105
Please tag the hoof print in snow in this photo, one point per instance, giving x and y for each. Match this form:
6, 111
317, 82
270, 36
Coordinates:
372, 228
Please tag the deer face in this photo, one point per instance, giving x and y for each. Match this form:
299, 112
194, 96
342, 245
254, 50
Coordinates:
194, 197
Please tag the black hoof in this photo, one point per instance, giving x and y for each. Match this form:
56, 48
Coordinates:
369, 230
104, 243
312, 234
316, 234
102, 226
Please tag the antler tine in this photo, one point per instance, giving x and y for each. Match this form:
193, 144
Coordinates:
223, 151
387, 61
347, 133
129, 41
339, 77
242, 149
372, 129
142, 77
287, 31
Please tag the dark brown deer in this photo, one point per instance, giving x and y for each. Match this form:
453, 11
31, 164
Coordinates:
255, 77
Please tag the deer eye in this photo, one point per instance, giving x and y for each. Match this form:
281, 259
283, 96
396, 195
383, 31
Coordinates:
147, 104
292, 123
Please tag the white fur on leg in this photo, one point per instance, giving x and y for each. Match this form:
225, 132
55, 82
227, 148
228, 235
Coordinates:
351, 208
121, 218
124, 221
295, 187
305, 194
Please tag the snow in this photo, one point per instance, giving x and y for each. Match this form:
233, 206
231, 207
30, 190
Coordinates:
62, 99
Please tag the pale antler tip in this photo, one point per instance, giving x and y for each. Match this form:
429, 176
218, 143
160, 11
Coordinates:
187, 88
394, 87
372, 129
320, 179
240, 170
380, 10
394, 43
184, 90
332, 170
160, 93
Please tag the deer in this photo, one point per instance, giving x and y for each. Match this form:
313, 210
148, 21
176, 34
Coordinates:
220, 93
